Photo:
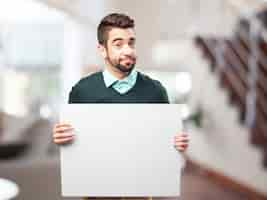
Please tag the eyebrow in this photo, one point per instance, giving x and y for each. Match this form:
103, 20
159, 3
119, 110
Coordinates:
120, 39
117, 39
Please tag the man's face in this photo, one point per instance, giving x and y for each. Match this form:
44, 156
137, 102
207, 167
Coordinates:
120, 50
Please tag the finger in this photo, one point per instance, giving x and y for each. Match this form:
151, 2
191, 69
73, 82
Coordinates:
63, 135
181, 145
181, 140
62, 125
62, 130
181, 136
55, 128
65, 140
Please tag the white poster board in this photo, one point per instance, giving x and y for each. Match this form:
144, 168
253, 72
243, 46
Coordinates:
121, 150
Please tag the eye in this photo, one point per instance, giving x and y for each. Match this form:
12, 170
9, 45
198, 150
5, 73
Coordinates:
118, 44
132, 43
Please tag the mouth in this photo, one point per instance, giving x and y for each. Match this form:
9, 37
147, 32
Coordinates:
128, 62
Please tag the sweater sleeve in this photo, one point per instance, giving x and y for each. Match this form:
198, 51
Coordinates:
73, 96
163, 95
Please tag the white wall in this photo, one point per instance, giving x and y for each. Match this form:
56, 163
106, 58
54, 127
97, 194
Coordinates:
223, 144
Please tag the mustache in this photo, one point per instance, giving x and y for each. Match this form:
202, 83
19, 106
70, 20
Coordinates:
128, 57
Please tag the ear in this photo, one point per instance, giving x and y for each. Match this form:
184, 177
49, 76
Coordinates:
102, 50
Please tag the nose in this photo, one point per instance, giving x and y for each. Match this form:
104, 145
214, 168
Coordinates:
129, 51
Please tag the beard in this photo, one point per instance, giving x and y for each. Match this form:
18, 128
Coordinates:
120, 67
124, 68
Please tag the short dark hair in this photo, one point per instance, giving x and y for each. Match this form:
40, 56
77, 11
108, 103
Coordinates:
113, 20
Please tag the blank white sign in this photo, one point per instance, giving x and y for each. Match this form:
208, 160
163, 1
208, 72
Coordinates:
121, 150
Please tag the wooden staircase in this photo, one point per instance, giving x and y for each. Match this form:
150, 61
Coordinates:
233, 72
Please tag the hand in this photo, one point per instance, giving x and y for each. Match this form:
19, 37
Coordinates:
181, 142
63, 133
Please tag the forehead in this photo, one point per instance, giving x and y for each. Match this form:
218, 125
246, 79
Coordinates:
121, 33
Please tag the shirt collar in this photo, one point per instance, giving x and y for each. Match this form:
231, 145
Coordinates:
109, 78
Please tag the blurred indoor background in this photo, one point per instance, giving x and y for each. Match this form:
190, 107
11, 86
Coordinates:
211, 55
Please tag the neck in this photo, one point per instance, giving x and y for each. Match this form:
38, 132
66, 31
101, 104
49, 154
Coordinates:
117, 73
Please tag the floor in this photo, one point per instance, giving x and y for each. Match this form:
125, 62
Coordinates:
196, 186
42, 182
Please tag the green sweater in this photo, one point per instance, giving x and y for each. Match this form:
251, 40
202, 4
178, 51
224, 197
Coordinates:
92, 89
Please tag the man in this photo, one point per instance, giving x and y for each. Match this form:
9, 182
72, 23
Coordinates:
119, 82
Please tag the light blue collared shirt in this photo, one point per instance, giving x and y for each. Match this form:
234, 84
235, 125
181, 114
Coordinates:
121, 86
